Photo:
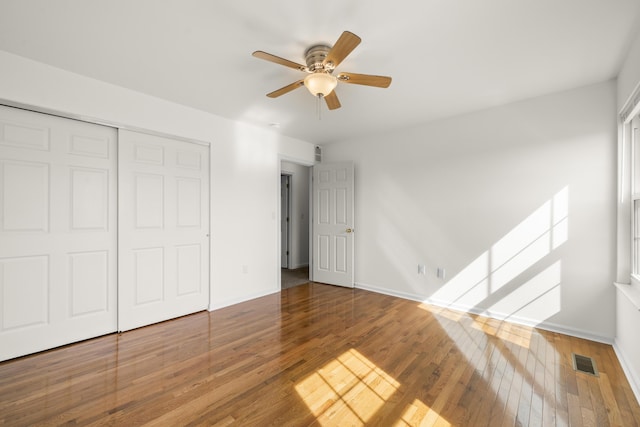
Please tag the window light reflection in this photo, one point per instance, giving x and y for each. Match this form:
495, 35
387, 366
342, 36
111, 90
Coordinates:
350, 390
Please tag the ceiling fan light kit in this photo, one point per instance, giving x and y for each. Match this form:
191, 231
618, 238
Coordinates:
321, 61
320, 83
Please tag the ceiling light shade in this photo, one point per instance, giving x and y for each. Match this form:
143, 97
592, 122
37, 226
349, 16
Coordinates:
320, 83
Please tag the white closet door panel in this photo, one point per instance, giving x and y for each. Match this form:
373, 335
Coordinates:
57, 231
163, 229
25, 206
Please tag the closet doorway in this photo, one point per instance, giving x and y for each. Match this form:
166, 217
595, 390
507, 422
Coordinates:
101, 230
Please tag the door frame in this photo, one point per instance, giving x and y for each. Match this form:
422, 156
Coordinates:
278, 218
288, 180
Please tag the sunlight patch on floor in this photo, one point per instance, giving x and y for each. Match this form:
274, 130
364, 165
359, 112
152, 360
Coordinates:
491, 359
444, 312
419, 414
514, 333
349, 390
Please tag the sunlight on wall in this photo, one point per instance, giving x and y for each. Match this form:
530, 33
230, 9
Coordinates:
544, 231
487, 285
350, 390
520, 248
538, 298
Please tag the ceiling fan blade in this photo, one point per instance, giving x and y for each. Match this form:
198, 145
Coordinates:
343, 47
286, 89
272, 58
332, 100
364, 79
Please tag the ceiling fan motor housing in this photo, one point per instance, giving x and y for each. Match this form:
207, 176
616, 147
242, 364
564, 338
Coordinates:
315, 56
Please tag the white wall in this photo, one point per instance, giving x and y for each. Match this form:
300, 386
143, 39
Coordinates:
245, 165
627, 345
516, 203
299, 216
628, 78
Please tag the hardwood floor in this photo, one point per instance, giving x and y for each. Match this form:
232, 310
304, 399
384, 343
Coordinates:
320, 355
291, 278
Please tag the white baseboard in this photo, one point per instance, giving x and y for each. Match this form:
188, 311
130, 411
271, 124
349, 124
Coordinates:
238, 300
632, 377
547, 326
390, 292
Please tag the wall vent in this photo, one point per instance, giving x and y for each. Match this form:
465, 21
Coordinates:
318, 154
584, 364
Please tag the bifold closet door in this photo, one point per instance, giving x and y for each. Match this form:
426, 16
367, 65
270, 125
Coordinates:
163, 229
57, 231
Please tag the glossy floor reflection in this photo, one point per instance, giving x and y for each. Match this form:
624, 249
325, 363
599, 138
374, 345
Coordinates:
320, 355
291, 278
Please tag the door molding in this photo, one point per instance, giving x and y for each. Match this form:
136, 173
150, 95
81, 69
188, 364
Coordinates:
281, 171
285, 202
96, 121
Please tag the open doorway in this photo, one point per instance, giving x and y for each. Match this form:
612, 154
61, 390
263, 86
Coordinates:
294, 224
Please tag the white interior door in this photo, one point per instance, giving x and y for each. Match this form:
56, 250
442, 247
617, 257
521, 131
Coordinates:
333, 228
57, 231
163, 236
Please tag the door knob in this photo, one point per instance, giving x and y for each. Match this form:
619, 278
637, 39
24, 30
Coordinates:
349, 230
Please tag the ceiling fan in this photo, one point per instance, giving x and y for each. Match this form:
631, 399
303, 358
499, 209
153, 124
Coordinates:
321, 61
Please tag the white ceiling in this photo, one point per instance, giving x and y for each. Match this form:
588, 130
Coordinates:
446, 57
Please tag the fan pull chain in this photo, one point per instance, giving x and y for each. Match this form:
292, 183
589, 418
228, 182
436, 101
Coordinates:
319, 106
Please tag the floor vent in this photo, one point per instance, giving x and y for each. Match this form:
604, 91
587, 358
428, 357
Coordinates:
584, 364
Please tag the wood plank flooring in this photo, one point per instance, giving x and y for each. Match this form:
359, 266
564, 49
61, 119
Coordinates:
324, 356
291, 278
